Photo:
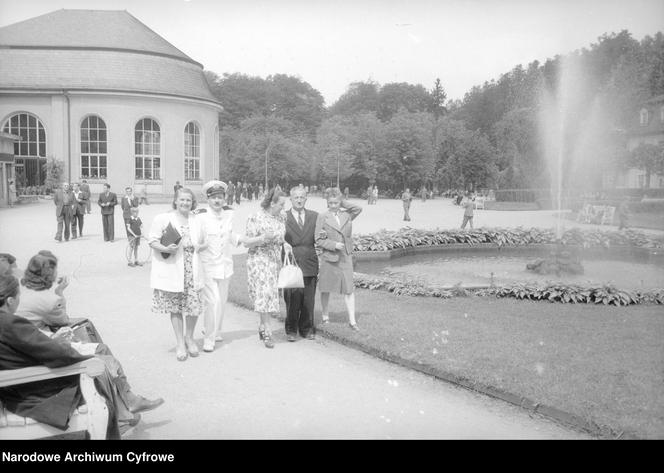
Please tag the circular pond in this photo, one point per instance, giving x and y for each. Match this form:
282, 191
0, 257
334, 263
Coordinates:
624, 269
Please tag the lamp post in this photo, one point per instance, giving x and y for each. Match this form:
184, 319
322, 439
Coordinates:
267, 151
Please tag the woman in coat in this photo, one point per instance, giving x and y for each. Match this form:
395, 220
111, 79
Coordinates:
177, 280
334, 242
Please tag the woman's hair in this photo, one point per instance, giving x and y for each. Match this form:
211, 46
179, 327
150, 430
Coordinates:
333, 193
271, 197
11, 259
188, 191
41, 270
8, 287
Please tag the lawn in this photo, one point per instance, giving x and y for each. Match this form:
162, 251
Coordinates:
602, 364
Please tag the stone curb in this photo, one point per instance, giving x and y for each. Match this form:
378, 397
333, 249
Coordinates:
565, 418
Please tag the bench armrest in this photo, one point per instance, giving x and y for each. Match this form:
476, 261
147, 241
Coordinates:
92, 367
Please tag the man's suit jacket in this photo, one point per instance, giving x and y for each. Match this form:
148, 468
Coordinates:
22, 345
59, 200
127, 203
329, 232
80, 203
303, 242
112, 199
86, 190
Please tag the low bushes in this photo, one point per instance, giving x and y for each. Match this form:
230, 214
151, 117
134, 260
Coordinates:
409, 237
552, 292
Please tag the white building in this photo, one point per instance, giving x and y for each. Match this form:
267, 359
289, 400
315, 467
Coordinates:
110, 98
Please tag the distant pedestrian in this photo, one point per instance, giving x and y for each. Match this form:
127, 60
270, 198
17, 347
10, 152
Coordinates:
230, 193
134, 231
78, 211
374, 194
128, 201
176, 188
406, 197
346, 193
469, 207
85, 188
423, 193
12, 193
107, 201
238, 192
64, 203
623, 214
143, 197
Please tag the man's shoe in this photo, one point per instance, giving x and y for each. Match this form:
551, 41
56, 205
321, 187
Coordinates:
125, 426
131, 264
143, 405
291, 337
208, 346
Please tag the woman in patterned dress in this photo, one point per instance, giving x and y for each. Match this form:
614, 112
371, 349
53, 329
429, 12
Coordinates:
264, 238
177, 280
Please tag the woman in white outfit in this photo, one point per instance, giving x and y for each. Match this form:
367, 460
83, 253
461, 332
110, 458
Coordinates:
217, 259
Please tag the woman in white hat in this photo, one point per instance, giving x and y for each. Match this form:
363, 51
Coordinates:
217, 259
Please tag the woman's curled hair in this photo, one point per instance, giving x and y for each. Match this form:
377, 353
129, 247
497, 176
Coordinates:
186, 190
8, 287
333, 193
41, 271
271, 197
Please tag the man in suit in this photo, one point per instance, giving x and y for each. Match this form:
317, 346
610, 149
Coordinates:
78, 211
85, 188
64, 203
300, 227
107, 201
129, 200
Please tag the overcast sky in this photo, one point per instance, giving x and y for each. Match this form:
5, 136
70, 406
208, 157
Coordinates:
330, 44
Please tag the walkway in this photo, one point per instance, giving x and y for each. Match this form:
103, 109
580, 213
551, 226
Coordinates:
308, 389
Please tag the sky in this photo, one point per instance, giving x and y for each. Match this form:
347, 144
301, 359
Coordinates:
331, 44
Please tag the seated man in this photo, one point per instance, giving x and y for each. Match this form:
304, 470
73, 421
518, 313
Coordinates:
47, 311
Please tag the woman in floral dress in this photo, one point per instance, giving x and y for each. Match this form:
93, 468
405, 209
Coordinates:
178, 279
264, 238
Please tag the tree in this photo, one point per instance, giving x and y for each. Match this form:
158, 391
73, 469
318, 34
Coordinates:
438, 97
55, 171
333, 150
360, 97
648, 157
395, 96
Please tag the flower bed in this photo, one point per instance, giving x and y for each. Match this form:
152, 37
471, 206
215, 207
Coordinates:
552, 292
385, 240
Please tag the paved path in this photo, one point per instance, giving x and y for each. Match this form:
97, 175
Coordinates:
307, 389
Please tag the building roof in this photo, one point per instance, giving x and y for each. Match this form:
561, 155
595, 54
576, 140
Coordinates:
96, 50
89, 29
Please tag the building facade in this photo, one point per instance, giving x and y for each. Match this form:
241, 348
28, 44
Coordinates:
110, 99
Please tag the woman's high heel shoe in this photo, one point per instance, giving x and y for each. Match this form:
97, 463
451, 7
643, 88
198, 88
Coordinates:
354, 327
261, 333
192, 348
267, 340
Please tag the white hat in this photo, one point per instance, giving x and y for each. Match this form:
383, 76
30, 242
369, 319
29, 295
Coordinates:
214, 187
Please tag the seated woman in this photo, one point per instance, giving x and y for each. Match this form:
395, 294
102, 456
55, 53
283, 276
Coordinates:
22, 345
47, 311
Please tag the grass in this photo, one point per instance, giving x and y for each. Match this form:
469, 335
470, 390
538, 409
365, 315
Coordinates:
603, 364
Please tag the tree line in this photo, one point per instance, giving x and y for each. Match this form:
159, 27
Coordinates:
400, 135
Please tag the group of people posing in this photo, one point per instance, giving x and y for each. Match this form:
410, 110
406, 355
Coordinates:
192, 262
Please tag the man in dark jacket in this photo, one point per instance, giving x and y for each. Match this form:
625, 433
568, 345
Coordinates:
64, 206
128, 201
107, 201
300, 228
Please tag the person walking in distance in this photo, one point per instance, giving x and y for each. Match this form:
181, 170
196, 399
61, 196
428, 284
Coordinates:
64, 203
407, 198
78, 211
143, 198
469, 207
128, 201
107, 201
300, 234
85, 188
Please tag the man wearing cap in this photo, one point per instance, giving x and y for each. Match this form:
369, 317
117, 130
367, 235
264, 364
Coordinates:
217, 259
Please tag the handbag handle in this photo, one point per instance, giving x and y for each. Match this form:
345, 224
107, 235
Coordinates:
289, 257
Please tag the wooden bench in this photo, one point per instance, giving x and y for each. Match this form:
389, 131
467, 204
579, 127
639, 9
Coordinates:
91, 419
28, 198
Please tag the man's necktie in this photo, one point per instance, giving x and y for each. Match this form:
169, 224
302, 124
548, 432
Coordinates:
299, 219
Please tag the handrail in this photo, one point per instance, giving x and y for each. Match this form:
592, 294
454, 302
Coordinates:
92, 367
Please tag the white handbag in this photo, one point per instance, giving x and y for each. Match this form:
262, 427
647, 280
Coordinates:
290, 275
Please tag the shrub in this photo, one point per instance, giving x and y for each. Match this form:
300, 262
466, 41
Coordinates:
409, 237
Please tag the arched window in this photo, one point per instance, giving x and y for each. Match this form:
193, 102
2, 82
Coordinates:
643, 117
93, 148
147, 150
192, 152
30, 151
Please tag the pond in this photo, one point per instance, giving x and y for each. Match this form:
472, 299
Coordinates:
624, 269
